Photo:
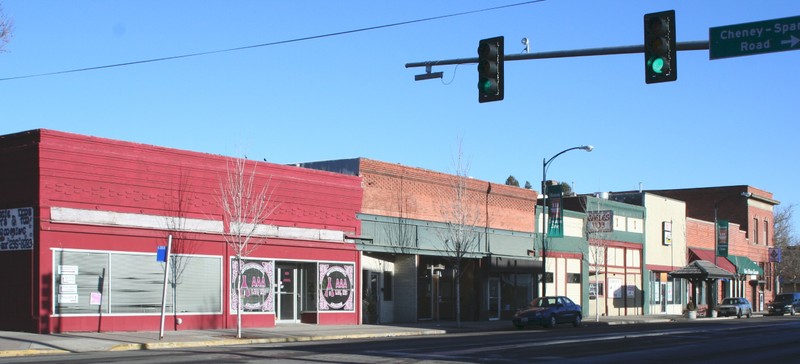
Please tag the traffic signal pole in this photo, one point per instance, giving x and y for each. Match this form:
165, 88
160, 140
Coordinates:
681, 46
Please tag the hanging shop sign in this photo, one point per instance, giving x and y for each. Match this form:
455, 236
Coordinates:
556, 212
722, 238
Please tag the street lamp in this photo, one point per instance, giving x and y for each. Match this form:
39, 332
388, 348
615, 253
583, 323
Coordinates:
546, 164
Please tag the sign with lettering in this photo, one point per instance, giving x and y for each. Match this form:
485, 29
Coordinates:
600, 221
257, 277
666, 232
336, 291
722, 238
747, 39
16, 229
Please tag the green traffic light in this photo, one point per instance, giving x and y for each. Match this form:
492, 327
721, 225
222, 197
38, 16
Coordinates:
487, 86
657, 65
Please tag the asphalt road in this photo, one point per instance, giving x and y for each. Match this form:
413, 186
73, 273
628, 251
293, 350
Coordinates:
755, 340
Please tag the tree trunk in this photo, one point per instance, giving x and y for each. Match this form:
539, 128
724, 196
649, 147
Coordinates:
239, 297
458, 297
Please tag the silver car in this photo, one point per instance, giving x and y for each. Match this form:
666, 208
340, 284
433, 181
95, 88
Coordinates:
735, 306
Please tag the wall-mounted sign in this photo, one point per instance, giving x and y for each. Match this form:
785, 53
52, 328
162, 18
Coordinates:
666, 229
600, 221
16, 229
336, 291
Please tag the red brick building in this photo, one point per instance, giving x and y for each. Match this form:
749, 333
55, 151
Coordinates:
749, 213
81, 219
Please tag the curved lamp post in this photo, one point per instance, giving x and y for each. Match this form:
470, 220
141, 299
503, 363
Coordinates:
546, 164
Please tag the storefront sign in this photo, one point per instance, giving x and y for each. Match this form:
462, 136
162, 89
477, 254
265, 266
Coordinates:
600, 221
257, 278
336, 287
16, 229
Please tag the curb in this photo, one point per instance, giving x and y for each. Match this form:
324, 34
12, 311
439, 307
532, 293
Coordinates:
27, 352
271, 340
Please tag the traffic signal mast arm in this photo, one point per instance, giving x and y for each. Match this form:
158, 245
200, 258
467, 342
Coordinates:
681, 46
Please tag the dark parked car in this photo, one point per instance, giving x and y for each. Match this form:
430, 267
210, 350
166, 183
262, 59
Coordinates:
736, 306
548, 312
785, 303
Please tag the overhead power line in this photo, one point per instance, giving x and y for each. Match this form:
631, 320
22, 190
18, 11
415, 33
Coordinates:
294, 40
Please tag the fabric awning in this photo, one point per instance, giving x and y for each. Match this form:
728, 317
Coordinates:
703, 254
745, 265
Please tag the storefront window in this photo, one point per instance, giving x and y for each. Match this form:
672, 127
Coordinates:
515, 290
336, 288
257, 287
132, 283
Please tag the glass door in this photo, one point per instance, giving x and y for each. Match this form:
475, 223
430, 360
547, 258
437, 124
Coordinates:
286, 294
494, 299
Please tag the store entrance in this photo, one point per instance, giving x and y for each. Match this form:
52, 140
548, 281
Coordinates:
286, 298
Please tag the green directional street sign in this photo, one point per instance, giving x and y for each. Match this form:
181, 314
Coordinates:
759, 37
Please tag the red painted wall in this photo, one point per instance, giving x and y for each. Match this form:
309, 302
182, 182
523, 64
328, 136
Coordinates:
56, 169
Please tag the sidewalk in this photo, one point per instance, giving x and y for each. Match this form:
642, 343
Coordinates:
23, 344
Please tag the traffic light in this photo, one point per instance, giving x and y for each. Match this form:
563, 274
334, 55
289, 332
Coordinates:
660, 51
490, 69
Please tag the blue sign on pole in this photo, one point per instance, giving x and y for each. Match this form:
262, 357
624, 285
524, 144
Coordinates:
161, 254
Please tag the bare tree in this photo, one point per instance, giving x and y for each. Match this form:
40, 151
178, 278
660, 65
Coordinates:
6, 29
401, 236
597, 230
460, 237
245, 206
175, 223
785, 239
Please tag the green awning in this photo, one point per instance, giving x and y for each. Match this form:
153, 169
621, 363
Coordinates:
745, 265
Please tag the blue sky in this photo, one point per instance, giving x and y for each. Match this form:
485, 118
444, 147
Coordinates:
723, 122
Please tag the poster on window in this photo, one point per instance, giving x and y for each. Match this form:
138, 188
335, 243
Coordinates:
16, 229
615, 287
336, 288
257, 278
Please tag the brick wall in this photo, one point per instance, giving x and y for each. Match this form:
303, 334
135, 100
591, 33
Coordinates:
416, 193
700, 234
